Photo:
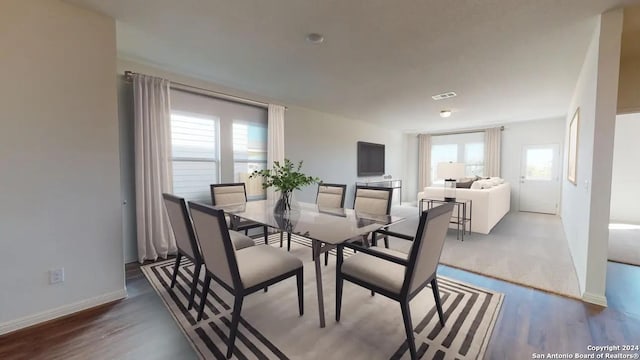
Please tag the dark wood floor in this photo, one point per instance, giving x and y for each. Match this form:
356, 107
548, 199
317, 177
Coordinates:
140, 327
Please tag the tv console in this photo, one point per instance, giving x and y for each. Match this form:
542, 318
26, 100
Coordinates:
386, 183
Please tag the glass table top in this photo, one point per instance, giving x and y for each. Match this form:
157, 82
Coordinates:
329, 225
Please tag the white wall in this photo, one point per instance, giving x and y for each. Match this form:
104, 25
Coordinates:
60, 194
327, 144
518, 134
127, 169
410, 164
585, 206
625, 192
629, 86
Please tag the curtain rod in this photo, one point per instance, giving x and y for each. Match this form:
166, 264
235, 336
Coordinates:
128, 75
463, 132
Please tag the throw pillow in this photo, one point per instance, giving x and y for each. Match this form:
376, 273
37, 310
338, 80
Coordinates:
495, 181
464, 184
476, 185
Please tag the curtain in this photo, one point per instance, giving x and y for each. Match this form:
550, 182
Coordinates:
152, 138
275, 140
424, 161
492, 145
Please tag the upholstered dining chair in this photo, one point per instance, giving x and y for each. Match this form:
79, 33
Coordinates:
396, 275
331, 195
239, 272
235, 193
187, 242
373, 200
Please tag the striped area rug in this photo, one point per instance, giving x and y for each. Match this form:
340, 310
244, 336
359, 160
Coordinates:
371, 326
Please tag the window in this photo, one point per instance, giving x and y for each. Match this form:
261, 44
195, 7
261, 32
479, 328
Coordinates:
194, 145
539, 164
442, 153
249, 154
474, 159
466, 148
215, 141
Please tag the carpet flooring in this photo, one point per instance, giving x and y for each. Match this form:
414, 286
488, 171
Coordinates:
624, 243
523, 248
371, 326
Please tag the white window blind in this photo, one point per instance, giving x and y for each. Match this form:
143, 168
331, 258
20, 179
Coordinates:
249, 154
466, 148
194, 145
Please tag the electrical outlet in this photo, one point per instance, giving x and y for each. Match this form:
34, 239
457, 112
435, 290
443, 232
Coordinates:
56, 276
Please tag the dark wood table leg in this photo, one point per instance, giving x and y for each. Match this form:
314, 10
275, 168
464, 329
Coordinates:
317, 252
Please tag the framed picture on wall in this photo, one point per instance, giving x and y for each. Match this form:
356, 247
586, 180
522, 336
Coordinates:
572, 162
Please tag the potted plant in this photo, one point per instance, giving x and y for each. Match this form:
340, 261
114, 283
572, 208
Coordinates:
285, 178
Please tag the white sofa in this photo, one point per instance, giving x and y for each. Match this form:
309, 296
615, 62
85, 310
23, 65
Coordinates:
489, 205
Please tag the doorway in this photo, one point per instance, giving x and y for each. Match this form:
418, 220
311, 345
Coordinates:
540, 178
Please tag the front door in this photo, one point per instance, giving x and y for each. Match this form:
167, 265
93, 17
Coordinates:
540, 178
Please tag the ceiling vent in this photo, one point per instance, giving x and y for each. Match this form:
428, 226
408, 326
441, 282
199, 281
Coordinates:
443, 96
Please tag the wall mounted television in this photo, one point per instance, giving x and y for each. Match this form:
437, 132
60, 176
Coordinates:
370, 159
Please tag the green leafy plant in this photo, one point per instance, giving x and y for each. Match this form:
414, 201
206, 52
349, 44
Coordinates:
284, 177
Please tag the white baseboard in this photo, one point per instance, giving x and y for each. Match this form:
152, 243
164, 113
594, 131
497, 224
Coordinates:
64, 310
594, 299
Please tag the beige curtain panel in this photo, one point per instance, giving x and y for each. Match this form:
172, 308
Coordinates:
152, 138
424, 161
275, 140
492, 146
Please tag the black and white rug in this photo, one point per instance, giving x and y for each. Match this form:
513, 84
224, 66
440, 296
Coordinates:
371, 326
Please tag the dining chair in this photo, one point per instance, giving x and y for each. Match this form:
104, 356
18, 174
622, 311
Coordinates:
235, 193
239, 272
331, 195
187, 241
373, 200
397, 275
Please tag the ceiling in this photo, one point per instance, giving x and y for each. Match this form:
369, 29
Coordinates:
381, 61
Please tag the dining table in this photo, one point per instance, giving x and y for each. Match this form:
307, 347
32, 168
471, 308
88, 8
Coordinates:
325, 227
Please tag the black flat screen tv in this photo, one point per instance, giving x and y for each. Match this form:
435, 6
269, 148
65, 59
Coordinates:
370, 159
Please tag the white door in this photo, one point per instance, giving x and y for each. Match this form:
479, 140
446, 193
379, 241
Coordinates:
540, 178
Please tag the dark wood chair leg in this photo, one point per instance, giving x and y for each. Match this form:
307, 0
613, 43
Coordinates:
266, 235
235, 319
326, 258
246, 231
281, 237
288, 241
339, 282
436, 296
408, 327
386, 241
205, 292
300, 280
175, 270
194, 284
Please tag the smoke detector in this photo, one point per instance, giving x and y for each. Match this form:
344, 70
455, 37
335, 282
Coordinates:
315, 38
445, 113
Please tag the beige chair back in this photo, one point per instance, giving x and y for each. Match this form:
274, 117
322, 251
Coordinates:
226, 194
331, 195
373, 200
181, 224
217, 249
428, 244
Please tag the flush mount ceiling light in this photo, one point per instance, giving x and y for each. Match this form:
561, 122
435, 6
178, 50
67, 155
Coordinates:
315, 38
445, 113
